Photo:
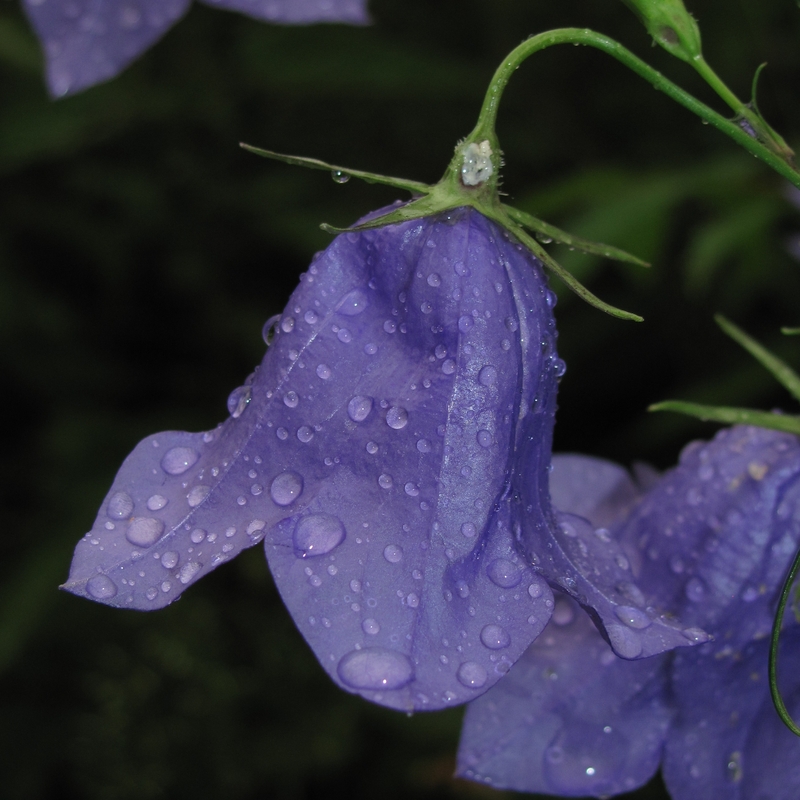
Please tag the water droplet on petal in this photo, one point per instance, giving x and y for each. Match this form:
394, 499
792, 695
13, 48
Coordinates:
344, 336
178, 459
625, 642
359, 407
188, 571
170, 559
469, 530
503, 573
353, 303
370, 349
286, 488
144, 531
449, 366
434, 279
535, 590
370, 626
317, 534
471, 674
633, 617
424, 446
197, 535
324, 371
311, 317
119, 506
390, 326
484, 438
375, 668
495, 637
372, 448
238, 400
268, 331
385, 481
197, 495
287, 324
291, 399
465, 322
305, 434
397, 417
487, 376
101, 587
392, 553
156, 502
411, 489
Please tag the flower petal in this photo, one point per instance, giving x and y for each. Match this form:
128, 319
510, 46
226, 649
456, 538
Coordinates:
718, 533
298, 11
88, 42
727, 740
570, 718
377, 450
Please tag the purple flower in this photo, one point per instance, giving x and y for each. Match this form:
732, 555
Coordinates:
712, 541
391, 448
89, 41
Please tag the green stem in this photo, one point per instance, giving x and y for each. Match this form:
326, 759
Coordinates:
777, 700
488, 116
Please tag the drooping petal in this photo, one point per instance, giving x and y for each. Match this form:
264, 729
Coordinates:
570, 718
289, 12
727, 741
718, 533
377, 449
88, 42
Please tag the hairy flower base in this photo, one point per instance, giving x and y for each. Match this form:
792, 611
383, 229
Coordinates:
712, 540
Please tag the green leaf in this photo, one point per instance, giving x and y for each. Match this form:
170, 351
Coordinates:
729, 415
782, 372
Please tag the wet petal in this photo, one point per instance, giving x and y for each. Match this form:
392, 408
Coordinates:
727, 740
298, 11
87, 42
716, 536
570, 718
381, 466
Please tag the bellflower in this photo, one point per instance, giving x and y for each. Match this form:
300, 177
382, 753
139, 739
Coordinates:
89, 42
712, 541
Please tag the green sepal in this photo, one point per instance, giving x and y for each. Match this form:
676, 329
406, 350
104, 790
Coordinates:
729, 415
369, 177
780, 370
562, 237
791, 331
671, 25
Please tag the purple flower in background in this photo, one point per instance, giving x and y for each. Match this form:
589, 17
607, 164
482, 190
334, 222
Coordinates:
712, 540
89, 41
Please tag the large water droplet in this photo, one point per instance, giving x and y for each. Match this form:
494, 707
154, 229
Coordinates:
471, 674
291, 399
188, 571
633, 617
397, 417
178, 459
287, 324
305, 434
344, 336
339, 176
286, 488
119, 506
353, 303
170, 559
487, 376
495, 637
101, 587
268, 331
317, 534
197, 495
144, 531
385, 481
156, 502
448, 366
238, 400
375, 668
434, 279
392, 553
311, 317
625, 642
484, 438
503, 573
359, 407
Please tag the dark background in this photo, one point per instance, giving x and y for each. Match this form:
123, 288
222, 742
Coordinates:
141, 251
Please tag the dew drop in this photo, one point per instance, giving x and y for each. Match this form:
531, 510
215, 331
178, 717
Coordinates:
353, 303
633, 617
512, 324
197, 535
461, 269
503, 573
370, 626
434, 279
101, 587
339, 177
495, 637
411, 489
370, 349
487, 376
238, 400
282, 434
385, 481
178, 459
440, 351
484, 438
119, 506
317, 534
311, 317
344, 336
188, 571
291, 399
625, 642
287, 324
359, 407
393, 554
372, 448
144, 531
397, 417
170, 559
375, 668
535, 590
465, 322
471, 674
449, 366
305, 434
424, 446
156, 502
324, 371
286, 488
468, 530
197, 495
390, 326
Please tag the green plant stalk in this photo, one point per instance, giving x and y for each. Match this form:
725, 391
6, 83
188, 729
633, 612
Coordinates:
775, 636
729, 415
488, 116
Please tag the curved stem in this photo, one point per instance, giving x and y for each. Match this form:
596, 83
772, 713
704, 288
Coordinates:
488, 116
777, 700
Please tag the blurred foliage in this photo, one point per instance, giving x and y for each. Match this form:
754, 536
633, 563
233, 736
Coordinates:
141, 251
